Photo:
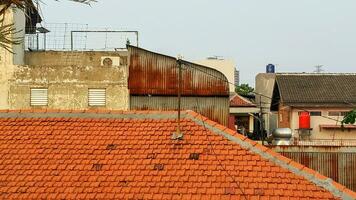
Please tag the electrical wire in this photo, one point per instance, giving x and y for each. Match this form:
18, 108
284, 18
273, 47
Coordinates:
224, 80
216, 156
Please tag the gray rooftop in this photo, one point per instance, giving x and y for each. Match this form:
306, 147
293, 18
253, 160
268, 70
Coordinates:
320, 90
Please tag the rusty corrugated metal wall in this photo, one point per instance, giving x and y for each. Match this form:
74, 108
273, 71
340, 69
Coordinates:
157, 74
338, 163
153, 85
212, 107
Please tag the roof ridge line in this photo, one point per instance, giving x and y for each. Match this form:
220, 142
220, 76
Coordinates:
93, 114
311, 175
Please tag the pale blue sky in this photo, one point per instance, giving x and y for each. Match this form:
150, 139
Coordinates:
294, 35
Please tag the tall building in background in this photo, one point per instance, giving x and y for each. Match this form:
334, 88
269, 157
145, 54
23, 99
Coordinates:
237, 77
225, 66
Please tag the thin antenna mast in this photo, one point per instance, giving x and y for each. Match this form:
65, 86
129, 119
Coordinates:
179, 135
318, 69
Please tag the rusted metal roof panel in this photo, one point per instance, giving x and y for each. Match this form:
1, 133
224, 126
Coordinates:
156, 74
337, 163
215, 108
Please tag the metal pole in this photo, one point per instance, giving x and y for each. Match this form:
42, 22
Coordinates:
179, 93
261, 123
44, 41
137, 38
178, 135
38, 42
71, 40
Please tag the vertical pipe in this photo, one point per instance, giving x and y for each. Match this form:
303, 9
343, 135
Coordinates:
179, 91
179, 135
64, 37
261, 123
38, 43
71, 40
44, 41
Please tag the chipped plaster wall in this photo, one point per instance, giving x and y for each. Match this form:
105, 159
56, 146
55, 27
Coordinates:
68, 76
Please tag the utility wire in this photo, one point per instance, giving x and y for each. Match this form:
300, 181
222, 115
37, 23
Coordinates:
211, 144
224, 80
216, 156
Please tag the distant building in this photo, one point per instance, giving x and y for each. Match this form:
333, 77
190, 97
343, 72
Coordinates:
325, 98
225, 66
115, 79
153, 85
263, 89
237, 77
242, 114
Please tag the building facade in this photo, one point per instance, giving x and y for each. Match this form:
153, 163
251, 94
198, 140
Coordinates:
264, 85
153, 85
326, 98
237, 77
225, 66
70, 80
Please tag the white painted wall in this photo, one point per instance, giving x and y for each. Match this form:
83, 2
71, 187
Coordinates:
315, 121
227, 67
6, 66
19, 20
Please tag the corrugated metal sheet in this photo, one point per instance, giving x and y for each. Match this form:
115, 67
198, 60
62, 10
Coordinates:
97, 97
156, 74
215, 108
39, 97
338, 163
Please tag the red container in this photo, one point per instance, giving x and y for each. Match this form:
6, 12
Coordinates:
304, 120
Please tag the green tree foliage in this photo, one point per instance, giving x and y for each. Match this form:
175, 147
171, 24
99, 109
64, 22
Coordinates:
244, 89
350, 118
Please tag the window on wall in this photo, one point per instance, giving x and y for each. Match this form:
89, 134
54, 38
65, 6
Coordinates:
337, 113
315, 113
343, 113
311, 113
97, 97
39, 97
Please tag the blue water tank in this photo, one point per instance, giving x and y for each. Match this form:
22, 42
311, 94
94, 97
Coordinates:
270, 68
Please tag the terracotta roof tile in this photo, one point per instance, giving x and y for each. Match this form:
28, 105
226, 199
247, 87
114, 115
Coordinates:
239, 101
123, 155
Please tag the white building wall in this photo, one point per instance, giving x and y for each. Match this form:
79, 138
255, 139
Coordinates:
315, 121
7, 66
227, 67
19, 20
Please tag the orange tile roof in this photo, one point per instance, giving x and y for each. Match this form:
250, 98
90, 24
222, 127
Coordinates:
239, 101
130, 155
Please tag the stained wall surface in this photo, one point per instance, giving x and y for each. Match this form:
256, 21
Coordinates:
68, 76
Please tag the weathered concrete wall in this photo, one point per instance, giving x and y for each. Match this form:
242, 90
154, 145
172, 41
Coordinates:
264, 85
67, 58
68, 80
